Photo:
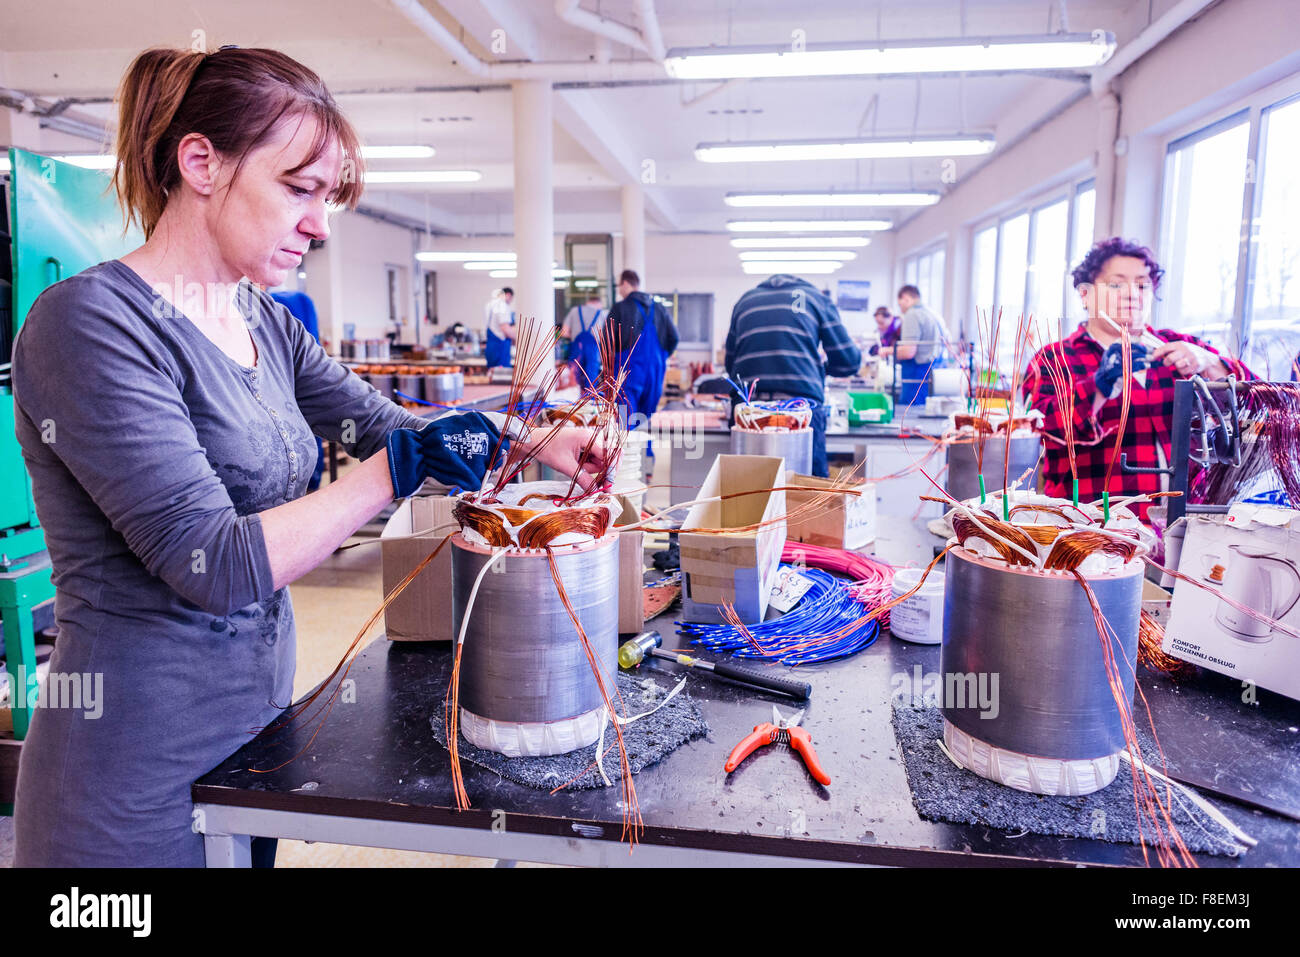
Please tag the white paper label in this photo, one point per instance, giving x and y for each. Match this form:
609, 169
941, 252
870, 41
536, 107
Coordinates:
791, 586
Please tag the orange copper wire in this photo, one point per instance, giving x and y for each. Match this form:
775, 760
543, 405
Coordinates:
967, 528
1151, 639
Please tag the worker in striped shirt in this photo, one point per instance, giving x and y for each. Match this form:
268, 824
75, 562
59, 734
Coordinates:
779, 332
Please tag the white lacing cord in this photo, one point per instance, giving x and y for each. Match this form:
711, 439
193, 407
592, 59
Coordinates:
604, 719
469, 606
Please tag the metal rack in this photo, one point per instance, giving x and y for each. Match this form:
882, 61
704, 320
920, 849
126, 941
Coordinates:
1205, 429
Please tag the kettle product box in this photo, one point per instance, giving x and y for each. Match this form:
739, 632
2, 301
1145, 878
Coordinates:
1251, 559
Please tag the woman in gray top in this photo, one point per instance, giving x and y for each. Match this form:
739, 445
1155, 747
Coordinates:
166, 413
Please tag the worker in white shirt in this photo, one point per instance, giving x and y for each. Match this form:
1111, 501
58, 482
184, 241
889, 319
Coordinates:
499, 328
582, 328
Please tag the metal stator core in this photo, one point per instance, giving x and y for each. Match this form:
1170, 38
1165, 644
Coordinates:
795, 447
1037, 634
963, 482
522, 659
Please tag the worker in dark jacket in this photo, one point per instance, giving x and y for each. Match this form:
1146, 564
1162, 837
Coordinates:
645, 337
778, 330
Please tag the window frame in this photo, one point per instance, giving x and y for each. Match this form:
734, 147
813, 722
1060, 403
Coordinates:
1251, 108
1068, 191
912, 263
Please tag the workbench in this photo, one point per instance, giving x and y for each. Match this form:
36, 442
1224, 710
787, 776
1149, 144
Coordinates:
375, 776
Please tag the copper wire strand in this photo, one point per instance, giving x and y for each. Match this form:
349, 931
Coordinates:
1228, 599
632, 822
295, 710
1170, 849
1151, 639
1126, 376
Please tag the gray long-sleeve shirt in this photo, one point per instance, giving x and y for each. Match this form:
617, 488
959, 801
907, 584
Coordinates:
151, 453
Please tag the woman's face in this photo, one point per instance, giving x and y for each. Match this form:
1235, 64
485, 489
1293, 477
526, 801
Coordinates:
266, 217
1122, 291
882, 320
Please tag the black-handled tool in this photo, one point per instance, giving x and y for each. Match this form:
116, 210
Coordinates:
633, 652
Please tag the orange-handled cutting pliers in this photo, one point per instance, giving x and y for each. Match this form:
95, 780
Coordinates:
779, 731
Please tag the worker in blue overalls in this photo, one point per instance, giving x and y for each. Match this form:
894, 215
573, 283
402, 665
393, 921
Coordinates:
645, 338
582, 328
499, 328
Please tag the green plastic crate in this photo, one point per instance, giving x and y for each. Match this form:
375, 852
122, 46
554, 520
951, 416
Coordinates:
861, 402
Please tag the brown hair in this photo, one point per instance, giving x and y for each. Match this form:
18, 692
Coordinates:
630, 277
235, 97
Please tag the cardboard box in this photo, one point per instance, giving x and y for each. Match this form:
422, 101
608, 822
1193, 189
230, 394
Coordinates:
422, 612
833, 521
631, 572
1156, 602
1253, 555
741, 567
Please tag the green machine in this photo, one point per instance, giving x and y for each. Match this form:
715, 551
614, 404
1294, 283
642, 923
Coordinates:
62, 219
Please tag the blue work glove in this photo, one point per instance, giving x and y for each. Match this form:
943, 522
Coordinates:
1111, 370
454, 450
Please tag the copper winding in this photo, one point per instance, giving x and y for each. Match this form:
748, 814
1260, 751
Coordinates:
535, 529
1057, 510
976, 422
775, 420
967, 528
1042, 534
1070, 550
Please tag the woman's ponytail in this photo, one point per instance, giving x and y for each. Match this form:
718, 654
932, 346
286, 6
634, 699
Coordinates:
149, 99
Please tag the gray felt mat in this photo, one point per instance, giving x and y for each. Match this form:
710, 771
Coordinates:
941, 791
648, 740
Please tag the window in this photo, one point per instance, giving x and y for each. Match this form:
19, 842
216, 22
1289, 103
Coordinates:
1205, 175
925, 271
1275, 257
1081, 230
1021, 266
1047, 269
1013, 263
984, 267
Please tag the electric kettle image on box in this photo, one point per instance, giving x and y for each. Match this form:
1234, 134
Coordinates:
1261, 581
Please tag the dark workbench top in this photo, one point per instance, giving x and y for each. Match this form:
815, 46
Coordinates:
377, 758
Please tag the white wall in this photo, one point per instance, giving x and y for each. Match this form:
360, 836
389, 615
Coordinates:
347, 279
1230, 51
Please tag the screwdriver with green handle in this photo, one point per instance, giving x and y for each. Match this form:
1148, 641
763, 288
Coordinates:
634, 651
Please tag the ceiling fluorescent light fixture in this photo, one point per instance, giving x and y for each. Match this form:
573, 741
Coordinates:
791, 254
587, 283
799, 242
876, 147
770, 267
390, 177
808, 225
503, 274
1063, 51
458, 256
907, 198
397, 152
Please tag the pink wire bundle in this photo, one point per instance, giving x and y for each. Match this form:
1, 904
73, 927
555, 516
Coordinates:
873, 580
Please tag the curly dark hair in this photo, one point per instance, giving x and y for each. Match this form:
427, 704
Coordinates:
1106, 250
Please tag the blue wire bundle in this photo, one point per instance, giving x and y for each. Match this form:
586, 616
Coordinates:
826, 607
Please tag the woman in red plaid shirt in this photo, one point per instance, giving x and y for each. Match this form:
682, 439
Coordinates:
1116, 281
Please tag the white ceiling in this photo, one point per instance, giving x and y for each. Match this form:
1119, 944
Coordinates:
399, 87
